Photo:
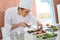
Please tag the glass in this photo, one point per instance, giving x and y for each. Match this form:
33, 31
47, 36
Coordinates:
17, 36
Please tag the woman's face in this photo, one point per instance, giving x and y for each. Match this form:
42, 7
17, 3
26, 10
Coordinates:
23, 11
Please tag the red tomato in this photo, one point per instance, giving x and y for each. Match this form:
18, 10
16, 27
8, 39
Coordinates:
47, 24
43, 31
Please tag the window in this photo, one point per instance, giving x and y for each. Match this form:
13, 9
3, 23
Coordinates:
43, 12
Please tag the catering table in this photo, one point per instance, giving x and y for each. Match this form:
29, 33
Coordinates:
26, 36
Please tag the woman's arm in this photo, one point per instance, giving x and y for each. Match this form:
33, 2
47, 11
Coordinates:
14, 26
39, 25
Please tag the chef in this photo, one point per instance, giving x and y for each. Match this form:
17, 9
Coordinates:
18, 18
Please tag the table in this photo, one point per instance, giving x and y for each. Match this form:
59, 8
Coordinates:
27, 36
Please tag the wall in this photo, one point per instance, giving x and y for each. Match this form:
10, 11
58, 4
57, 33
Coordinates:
5, 4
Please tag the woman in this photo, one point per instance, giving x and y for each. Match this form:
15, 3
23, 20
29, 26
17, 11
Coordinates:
18, 18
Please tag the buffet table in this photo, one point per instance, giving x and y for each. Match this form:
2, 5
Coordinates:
26, 36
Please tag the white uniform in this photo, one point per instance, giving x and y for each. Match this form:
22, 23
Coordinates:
12, 17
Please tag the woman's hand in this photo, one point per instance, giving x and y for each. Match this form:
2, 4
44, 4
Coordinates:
21, 24
39, 25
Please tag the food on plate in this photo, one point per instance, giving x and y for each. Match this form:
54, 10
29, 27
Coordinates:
46, 35
41, 32
31, 31
37, 32
54, 28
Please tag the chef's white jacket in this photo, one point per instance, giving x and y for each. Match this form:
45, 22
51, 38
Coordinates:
12, 17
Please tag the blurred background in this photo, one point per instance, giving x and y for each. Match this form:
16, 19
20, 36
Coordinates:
45, 10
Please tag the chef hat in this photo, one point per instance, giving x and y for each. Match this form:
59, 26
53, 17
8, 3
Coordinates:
26, 4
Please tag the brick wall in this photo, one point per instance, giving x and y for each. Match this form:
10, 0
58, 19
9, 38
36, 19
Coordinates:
5, 4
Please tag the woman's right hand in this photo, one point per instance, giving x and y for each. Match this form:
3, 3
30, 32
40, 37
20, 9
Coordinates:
21, 24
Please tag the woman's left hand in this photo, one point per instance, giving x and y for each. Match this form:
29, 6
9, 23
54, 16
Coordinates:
39, 25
